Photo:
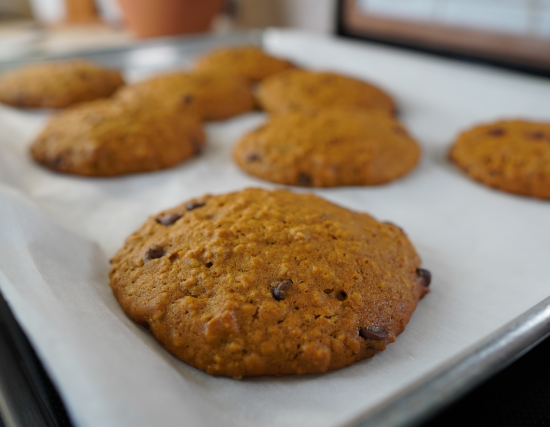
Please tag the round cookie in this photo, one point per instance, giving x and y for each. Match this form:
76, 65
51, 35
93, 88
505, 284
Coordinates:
104, 138
511, 155
307, 90
250, 62
212, 96
328, 148
268, 283
57, 84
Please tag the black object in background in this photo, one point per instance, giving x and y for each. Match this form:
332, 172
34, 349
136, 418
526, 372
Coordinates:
27, 396
345, 29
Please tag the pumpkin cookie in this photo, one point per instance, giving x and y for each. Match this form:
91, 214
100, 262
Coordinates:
268, 283
212, 96
57, 84
250, 62
104, 138
307, 90
511, 155
328, 148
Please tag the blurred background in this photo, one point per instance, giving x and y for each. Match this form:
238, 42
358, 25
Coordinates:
508, 32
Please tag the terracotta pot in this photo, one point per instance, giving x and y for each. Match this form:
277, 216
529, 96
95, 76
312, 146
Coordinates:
150, 18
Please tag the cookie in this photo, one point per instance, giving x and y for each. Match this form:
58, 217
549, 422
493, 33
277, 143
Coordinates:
511, 155
307, 90
212, 96
58, 84
328, 148
105, 138
268, 283
250, 62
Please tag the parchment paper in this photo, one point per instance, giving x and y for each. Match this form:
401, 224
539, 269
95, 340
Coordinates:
489, 253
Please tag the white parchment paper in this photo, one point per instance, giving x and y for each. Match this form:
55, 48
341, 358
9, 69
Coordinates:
489, 253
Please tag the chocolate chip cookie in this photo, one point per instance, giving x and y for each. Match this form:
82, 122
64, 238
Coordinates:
268, 283
105, 138
511, 155
328, 148
57, 84
212, 96
307, 90
249, 62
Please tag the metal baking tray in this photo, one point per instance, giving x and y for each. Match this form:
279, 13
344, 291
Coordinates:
431, 392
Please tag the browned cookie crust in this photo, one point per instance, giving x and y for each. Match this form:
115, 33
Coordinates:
212, 96
307, 90
511, 155
57, 84
328, 148
268, 283
250, 62
104, 138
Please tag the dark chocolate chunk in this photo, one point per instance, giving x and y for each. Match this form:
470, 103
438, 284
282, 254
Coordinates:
187, 99
391, 223
496, 132
194, 205
197, 146
278, 289
168, 218
253, 157
425, 276
537, 135
304, 179
373, 334
153, 252
341, 296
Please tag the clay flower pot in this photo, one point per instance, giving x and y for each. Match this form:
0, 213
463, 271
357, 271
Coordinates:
150, 18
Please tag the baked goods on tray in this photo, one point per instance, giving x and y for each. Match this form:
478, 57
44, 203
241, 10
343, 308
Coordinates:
510, 155
250, 62
299, 89
58, 84
106, 138
328, 148
211, 96
268, 283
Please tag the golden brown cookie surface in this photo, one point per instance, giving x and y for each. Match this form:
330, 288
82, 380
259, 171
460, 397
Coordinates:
104, 138
307, 90
328, 148
57, 84
211, 96
268, 283
511, 155
250, 62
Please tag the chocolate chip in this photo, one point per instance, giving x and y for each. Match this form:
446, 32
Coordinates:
391, 223
496, 132
197, 145
373, 334
253, 157
168, 218
209, 264
194, 205
187, 99
304, 179
341, 296
537, 135
278, 289
424, 276
153, 252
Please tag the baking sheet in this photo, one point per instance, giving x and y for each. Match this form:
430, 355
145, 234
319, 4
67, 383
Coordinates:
488, 251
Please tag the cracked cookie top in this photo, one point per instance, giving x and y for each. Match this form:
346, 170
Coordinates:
268, 283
